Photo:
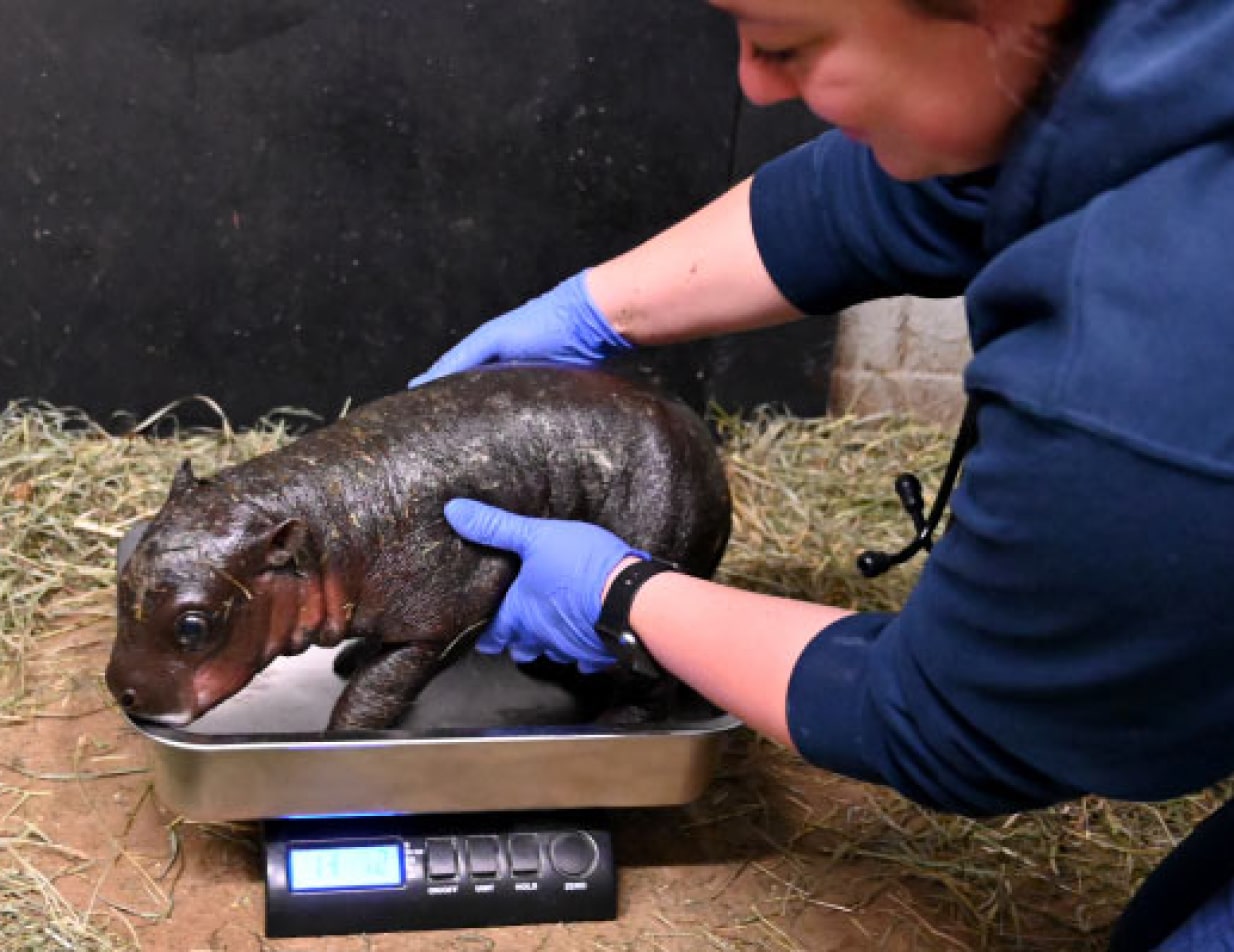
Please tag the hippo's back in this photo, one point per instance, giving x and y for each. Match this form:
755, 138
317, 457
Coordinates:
539, 440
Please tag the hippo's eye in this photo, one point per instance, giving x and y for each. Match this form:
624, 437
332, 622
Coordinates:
192, 630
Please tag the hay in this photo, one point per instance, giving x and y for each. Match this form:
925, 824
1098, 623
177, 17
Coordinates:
809, 495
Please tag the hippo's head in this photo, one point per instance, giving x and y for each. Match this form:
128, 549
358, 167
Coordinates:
214, 591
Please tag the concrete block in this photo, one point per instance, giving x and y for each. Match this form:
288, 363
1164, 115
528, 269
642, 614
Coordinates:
934, 398
904, 355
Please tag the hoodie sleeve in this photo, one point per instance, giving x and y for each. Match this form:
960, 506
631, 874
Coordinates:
1070, 634
833, 229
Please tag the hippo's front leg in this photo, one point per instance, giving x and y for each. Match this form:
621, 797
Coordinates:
383, 686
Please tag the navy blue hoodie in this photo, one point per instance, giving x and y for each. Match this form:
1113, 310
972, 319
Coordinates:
1097, 265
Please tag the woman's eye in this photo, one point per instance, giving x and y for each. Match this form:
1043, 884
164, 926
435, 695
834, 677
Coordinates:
773, 57
192, 630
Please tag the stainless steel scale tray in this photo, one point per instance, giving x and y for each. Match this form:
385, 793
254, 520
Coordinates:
485, 735
509, 746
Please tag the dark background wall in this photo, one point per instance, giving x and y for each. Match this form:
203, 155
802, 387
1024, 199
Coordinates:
298, 202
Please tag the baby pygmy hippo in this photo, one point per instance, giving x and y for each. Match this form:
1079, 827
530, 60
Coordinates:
341, 534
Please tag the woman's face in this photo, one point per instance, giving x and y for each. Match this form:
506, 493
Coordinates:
929, 96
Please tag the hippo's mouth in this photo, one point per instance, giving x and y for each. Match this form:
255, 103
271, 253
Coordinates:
168, 719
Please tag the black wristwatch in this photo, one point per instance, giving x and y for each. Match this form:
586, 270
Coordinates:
613, 625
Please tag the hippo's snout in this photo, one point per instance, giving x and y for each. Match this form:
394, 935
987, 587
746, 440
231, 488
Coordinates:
143, 703
130, 701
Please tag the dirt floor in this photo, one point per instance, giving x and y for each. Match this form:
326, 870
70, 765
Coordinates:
773, 856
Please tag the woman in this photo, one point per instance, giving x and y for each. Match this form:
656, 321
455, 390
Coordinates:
1068, 166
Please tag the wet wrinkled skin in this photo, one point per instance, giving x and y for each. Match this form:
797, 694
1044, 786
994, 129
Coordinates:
341, 534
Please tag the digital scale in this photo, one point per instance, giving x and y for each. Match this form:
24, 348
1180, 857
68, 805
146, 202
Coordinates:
387, 874
487, 805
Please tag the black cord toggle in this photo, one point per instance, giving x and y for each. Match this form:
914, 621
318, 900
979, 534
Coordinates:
908, 488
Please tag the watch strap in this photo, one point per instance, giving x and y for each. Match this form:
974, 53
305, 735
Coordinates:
613, 625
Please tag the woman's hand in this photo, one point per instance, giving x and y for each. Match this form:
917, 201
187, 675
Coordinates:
552, 607
564, 325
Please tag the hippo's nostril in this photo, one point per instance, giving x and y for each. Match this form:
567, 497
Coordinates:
128, 698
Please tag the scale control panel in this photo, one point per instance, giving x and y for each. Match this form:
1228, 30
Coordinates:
400, 873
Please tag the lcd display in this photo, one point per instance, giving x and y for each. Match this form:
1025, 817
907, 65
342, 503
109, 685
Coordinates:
344, 867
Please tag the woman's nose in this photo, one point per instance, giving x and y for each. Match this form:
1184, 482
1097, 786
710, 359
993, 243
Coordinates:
765, 83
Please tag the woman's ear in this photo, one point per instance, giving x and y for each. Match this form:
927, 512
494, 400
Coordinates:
1025, 28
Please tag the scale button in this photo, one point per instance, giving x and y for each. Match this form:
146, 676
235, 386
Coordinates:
440, 861
524, 854
573, 854
482, 856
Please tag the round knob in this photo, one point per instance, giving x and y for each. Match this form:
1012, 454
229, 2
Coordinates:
573, 854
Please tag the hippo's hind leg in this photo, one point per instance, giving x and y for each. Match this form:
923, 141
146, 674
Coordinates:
638, 700
354, 655
383, 686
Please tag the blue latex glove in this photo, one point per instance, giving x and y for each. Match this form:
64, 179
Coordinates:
563, 325
552, 607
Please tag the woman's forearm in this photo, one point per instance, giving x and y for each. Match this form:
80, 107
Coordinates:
702, 277
736, 648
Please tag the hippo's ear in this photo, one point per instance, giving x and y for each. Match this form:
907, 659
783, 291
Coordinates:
288, 544
184, 480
